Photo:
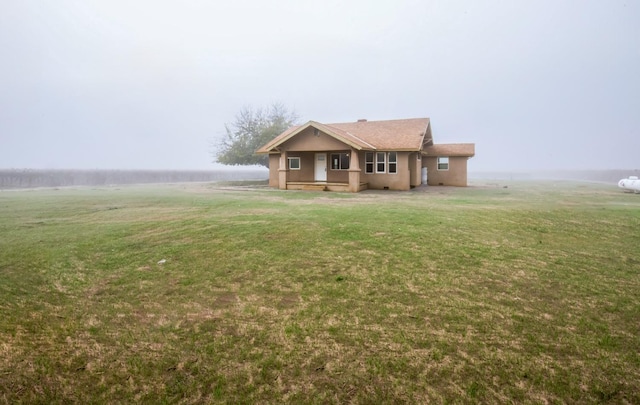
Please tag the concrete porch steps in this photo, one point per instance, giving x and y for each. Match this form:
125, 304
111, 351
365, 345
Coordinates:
314, 187
321, 186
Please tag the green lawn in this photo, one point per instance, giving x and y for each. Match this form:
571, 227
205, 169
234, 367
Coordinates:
486, 294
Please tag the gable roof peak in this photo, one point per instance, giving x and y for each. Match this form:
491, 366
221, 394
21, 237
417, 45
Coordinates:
398, 134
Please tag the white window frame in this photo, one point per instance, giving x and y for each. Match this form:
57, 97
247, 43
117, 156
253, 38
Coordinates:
383, 162
369, 164
291, 159
444, 161
394, 162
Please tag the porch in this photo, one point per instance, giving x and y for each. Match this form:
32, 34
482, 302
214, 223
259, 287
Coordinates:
322, 186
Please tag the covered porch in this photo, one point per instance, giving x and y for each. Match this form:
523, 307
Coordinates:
330, 170
322, 186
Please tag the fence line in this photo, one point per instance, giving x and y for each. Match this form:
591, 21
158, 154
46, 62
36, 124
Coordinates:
29, 178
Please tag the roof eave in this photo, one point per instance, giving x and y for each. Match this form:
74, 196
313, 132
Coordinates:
427, 136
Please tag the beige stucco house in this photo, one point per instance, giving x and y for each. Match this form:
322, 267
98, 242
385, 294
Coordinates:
354, 156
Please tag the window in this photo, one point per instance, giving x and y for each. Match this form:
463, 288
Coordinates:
294, 163
339, 161
368, 162
393, 162
443, 163
381, 162
384, 162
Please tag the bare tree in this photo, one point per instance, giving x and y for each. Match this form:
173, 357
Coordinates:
251, 129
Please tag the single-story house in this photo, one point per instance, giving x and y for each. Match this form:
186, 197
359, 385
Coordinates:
354, 156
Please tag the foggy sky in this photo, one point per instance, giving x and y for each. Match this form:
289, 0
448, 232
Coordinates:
142, 84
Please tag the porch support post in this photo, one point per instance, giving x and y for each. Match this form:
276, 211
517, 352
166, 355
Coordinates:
282, 171
354, 171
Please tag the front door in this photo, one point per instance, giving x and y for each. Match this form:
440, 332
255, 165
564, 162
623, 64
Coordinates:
321, 167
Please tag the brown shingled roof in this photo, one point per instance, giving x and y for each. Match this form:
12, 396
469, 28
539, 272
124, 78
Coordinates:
407, 134
451, 149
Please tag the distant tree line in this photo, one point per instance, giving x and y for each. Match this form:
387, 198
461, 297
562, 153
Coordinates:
604, 176
29, 178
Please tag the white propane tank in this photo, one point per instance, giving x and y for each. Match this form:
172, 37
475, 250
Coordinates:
630, 184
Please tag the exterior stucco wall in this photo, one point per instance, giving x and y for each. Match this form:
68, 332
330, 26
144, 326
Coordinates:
455, 176
306, 167
391, 181
274, 164
308, 141
415, 169
408, 175
336, 176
